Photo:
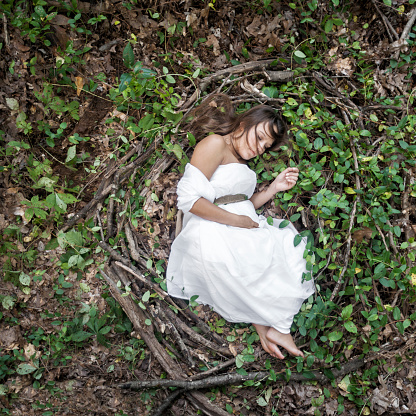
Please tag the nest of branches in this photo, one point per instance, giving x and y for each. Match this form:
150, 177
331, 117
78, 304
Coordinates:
177, 337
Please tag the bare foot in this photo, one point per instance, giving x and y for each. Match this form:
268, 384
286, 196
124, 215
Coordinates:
284, 340
268, 346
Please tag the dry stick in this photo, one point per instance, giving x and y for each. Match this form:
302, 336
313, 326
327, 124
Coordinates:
235, 378
137, 318
199, 322
391, 240
177, 338
160, 411
238, 69
124, 159
110, 213
389, 27
6, 33
409, 24
200, 401
103, 192
114, 253
126, 169
214, 370
134, 251
195, 336
90, 206
147, 282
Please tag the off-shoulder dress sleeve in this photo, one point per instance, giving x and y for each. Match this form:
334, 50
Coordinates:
193, 185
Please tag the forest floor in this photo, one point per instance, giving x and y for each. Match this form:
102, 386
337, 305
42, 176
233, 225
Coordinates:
67, 130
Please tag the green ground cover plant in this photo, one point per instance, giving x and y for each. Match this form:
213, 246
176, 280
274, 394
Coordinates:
352, 138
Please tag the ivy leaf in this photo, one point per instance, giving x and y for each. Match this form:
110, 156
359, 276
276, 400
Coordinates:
350, 327
72, 152
346, 312
284, 224
297, 240
170, 79
329, 25
24, 279
24, 369
239, 361
300, 54
177, 150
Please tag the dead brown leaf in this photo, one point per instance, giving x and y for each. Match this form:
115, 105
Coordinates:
79, 82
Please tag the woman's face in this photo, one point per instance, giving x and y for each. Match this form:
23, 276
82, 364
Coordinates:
248, 146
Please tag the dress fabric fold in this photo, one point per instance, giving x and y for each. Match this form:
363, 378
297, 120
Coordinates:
246, 275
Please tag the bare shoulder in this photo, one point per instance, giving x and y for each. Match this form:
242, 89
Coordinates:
209, 154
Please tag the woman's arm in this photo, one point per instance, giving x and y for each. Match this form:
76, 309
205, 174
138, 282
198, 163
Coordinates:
208, 155
284, 181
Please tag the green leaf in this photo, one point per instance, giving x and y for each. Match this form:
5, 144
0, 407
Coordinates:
24, 369
196, 73
397, 230
239, 361
170, 79
72, 152
80, 336
24, 279
295, 217
8, 302
146, 296
346, 312
365, 133
68, 198
297, 240
177, 150
396, 313
335, 336
128, 56
284, 223
350, 327
261, 401
125, 80
387, 2
329, 25
300, 54
74, 238
191, 139
269, 220
54, 201
380, 268
29, 214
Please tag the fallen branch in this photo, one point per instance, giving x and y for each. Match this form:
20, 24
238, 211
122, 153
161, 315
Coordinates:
409, 25
160, 411
235, 378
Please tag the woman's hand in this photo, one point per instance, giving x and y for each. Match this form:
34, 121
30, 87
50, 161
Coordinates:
285, 180
243, 221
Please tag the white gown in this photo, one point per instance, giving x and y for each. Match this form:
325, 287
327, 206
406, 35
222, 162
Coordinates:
246, 275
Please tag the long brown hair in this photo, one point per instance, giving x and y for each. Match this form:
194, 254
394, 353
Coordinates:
217, 115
